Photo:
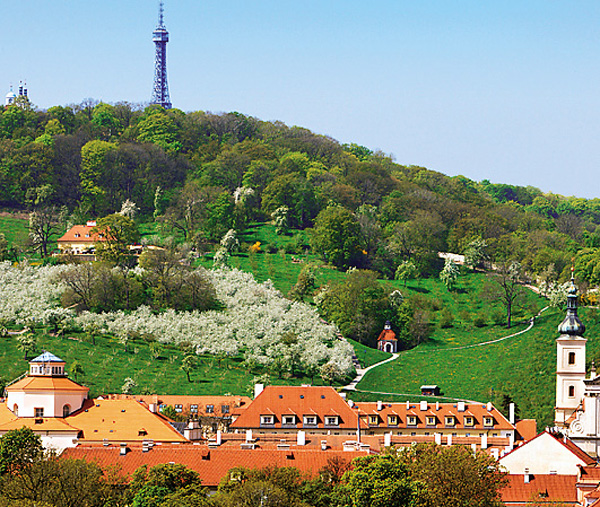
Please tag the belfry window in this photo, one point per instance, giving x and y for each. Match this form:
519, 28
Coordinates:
571, 391
571, 358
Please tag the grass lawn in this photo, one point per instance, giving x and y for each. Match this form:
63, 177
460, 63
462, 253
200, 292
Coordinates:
366, 355
523, 367
107, 364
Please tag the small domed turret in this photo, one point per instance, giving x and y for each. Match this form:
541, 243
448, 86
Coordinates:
572, 324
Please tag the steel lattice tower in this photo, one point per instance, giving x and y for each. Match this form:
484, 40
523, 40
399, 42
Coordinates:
160, 95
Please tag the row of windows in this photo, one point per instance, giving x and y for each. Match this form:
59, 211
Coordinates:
210, 409
307, 420
413, 420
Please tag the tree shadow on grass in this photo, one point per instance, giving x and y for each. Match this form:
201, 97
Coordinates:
421, 290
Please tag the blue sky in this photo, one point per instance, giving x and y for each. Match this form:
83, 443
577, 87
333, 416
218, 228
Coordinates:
507, 91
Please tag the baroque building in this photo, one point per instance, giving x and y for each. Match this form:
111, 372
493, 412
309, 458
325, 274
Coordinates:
577, 411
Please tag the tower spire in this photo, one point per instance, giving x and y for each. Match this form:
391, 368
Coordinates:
572, 324
160, 93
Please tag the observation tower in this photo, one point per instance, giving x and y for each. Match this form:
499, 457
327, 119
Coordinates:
160, 94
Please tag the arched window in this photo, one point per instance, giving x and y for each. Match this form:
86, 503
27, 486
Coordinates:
16, 410
571, 357
571, 391
66, 410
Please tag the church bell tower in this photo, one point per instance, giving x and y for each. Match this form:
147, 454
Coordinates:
570, 361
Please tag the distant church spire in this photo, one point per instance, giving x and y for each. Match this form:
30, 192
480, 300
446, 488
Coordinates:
572, 324
160, 94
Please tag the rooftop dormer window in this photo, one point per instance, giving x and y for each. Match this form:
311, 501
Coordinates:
267, 420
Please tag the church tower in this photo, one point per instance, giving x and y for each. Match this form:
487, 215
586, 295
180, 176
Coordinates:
570, 366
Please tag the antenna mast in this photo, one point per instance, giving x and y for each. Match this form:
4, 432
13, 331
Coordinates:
160, 93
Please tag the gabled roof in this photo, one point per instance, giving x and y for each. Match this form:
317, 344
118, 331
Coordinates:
317, 400
541, 489
566, 443
46, 383
121, 421
46, 424
527, 428
80, 234
211, 464
439, 410
47, 357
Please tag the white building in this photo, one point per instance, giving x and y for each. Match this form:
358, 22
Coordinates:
577, 395
46, 391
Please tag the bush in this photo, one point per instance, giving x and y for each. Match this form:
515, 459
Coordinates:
446, 319
479, 321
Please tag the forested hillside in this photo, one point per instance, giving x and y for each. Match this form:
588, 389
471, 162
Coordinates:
204, 173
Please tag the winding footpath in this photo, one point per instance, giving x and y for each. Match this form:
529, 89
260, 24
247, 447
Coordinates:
361, 372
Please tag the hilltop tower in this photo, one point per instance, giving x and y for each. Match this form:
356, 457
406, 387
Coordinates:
570, 364
160, 94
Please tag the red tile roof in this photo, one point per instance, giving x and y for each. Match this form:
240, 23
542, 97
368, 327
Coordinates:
211, 464
235, 404
301, 400
438, 410
387, 335
80, 234
540, 489
43, 383
527, 428
121, 421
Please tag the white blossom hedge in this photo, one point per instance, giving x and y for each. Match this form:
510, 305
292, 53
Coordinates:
252, 323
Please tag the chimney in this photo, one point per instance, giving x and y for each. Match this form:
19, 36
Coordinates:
379, 405
350, 403
484, 441
460, 406
152, 408
407, 405
511, 413
526, 476
219, 437
387, 439
489, 406
301, 438
423, 406
258, 388
323, 445
123, 449
437, 406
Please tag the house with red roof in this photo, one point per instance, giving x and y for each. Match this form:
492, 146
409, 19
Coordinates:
540, 489
546, 454
79, 239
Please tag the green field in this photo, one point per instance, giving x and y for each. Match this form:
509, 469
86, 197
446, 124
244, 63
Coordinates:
522, 367
107, 363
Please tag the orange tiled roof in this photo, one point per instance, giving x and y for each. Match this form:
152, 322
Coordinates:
313, 400
590, 473
53, 424
527, 428
80, 234
5, 413
121, 421
236, 404
211, 464
440, 411
387, 335
44, 383
541, 489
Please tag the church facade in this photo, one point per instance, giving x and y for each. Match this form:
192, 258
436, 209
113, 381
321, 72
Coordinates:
577, 411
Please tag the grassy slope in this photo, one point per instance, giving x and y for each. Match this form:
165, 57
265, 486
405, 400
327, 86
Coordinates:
107, 364
522, 367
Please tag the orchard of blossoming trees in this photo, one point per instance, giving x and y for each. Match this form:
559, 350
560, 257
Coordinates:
255, 321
